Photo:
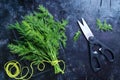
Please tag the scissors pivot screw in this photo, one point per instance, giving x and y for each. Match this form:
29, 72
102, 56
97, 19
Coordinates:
95, 52
100, 49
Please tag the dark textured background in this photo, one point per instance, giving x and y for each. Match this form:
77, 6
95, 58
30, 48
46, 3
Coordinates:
76, 54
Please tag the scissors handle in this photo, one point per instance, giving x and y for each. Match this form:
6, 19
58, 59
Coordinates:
96, 50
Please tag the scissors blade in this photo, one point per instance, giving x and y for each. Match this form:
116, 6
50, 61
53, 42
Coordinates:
86, 30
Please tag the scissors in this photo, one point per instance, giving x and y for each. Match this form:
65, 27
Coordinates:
97, 49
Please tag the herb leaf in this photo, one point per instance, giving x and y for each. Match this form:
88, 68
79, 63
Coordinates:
103, 26
76, 36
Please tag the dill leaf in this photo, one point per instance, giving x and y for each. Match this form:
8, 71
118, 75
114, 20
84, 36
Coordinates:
103, 26
76, 36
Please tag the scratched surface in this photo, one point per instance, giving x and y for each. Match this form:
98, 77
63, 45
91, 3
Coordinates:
76, 54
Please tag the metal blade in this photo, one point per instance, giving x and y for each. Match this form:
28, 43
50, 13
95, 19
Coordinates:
86, 30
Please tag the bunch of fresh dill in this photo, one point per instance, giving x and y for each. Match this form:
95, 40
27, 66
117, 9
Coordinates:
40, 38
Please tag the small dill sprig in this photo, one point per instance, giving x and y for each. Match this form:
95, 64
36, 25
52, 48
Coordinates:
103, 26
76, 36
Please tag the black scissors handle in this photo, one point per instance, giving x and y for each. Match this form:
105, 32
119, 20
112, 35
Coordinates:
96, 50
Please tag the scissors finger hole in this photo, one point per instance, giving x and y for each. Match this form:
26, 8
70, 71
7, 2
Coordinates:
108, 54
96, 63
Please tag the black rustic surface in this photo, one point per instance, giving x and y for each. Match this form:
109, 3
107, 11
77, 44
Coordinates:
76, 54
